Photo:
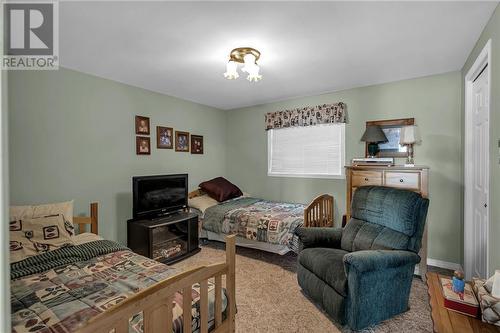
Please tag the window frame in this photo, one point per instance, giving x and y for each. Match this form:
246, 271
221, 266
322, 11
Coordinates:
311, 175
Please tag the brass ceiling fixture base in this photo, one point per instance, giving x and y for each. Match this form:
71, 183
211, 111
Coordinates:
239, 53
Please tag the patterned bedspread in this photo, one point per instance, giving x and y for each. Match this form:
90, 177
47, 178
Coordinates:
257, 219
62, 298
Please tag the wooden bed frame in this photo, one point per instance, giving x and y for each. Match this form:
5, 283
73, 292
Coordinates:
319, 213
155, 302
91, 220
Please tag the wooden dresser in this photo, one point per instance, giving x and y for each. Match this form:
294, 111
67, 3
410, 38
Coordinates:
410, 178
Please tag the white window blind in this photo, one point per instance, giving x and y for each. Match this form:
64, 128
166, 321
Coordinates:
311, 151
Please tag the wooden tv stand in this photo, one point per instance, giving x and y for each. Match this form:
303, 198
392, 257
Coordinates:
167, 239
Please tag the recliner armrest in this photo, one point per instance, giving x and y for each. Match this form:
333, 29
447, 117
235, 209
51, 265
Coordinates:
319, 237
371, 260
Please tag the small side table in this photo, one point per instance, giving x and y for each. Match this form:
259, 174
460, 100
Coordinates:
447, 321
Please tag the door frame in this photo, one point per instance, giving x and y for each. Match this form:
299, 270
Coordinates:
483, 59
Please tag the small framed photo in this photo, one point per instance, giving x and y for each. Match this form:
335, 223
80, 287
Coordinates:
182, 141
164, 137
196, 144
142, 125
142, 145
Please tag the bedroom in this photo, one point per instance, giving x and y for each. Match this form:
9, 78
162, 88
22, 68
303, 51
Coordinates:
73, 132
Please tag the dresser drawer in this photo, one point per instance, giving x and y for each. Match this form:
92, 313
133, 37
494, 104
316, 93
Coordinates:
408, 180
363, 178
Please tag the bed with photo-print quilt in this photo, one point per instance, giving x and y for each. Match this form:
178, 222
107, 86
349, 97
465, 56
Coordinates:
60, 290
257, 220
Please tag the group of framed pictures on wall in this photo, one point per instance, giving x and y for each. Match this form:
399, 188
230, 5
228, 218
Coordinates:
165, 138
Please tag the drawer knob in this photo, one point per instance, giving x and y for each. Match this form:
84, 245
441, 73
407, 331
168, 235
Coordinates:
401, 180
366, 179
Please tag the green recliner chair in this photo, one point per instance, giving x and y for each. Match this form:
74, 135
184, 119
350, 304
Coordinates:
362, 274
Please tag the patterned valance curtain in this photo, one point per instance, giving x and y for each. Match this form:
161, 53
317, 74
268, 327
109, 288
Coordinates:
307, 116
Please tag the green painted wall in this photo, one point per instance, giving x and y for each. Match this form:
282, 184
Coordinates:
492, 31
434, 102
72, 137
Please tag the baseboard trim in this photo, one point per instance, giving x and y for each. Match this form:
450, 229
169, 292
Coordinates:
444, 264
441, 264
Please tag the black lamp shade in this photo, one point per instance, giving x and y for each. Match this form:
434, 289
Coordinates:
374, 133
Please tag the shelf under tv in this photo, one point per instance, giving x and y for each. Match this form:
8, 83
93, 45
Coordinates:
175, 235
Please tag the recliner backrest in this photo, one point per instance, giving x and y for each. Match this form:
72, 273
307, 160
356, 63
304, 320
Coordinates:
385, 218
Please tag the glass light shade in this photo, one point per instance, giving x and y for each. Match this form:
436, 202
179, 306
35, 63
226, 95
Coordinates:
253, 74
409, 135
249, 60
231, 70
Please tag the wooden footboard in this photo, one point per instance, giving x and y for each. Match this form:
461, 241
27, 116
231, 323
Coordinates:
319, 213
156, 301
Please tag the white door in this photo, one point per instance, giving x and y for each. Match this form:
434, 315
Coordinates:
480, 146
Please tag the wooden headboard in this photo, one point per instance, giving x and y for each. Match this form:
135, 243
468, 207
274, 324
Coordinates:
83, 221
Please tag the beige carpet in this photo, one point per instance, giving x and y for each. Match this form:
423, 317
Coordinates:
269, 299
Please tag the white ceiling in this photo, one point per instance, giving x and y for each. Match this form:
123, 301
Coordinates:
181, 48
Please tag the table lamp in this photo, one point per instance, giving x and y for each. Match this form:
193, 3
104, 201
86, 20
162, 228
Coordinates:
409, 136
373, 136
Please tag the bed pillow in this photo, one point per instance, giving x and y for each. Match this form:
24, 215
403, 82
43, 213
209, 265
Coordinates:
32, 236
33, 211
221, 189
202, 202
85, 237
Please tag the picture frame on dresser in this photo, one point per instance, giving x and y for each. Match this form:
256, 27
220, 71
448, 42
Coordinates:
392, 130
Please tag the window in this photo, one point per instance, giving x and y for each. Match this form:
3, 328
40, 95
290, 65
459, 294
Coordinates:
311, 151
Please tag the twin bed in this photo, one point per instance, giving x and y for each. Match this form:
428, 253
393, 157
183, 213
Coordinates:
97, 285
257, 223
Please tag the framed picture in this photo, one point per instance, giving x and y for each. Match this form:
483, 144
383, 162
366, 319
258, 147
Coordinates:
196, 144
164, 137
142, 145
141, 125
182, 141
392, 130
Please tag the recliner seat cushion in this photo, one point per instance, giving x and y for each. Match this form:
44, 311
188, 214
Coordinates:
322, 294
328, 265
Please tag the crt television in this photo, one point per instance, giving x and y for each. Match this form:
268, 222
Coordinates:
155, 196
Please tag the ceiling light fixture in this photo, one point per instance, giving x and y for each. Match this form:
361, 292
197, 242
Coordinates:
246, 56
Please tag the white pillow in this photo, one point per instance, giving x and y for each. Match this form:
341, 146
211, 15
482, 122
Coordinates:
20, 212
202, 202
34, 211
